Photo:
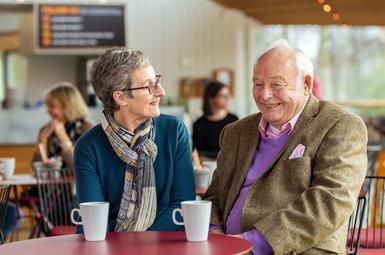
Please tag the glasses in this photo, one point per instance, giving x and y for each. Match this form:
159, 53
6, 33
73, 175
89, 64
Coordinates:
152, 86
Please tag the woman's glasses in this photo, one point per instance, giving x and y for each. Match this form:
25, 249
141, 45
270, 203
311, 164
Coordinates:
152, 85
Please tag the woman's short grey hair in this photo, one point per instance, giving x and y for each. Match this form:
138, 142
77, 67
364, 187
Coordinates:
303, 63
112, 72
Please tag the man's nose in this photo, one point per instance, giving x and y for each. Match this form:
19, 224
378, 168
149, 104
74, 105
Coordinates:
266, 92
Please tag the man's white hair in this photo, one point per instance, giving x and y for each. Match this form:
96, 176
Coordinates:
304, 65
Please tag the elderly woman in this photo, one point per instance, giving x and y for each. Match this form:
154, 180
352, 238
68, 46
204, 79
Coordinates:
137, 159
69, 120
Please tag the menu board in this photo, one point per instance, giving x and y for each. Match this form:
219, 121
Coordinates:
71, 26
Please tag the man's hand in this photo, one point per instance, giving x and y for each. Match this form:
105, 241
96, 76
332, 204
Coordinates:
237, 236
217, 232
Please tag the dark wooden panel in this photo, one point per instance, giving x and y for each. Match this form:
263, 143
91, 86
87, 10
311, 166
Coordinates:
23, 155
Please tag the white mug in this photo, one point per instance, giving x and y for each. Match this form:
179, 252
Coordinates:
94, 219
196, 217
7, 167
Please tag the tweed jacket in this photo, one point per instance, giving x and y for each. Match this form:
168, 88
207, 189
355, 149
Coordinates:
299, 205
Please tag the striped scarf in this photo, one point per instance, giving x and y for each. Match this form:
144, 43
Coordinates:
138, 205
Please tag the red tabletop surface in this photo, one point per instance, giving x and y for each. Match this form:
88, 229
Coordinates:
148, 242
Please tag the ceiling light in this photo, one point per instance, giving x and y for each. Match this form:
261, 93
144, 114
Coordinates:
336, 16
327, 8
321, 1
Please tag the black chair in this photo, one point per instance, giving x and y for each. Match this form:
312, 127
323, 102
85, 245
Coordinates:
372, 239
57, 197
4, 197
355, 226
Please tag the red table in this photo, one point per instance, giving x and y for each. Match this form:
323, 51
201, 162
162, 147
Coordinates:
148, 242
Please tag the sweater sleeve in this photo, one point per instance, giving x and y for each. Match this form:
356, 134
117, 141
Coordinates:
260, 244
88, 186
183, 187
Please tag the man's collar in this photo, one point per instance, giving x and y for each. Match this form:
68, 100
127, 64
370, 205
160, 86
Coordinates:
268, 131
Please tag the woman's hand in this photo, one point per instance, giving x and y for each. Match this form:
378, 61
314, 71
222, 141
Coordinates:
60, 131
45, 132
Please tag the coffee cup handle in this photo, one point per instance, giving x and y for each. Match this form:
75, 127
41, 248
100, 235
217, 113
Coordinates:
174, 216
72, 217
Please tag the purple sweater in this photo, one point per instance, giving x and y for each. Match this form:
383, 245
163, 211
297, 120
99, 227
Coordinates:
266, 151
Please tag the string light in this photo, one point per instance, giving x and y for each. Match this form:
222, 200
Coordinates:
327, 8
336, 16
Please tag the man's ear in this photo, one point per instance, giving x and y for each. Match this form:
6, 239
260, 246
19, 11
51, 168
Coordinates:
308, 84
120, 98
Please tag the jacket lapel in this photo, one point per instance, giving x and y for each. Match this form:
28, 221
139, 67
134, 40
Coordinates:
248, 143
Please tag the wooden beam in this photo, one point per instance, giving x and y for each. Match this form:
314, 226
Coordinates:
353, 12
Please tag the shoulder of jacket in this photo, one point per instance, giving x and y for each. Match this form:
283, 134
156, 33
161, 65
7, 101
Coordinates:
337, 111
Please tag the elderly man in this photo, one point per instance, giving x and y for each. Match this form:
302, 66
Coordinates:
288, 177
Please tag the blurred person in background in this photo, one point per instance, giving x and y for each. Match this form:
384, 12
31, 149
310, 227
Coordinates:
137, 159
69, 120
207, 128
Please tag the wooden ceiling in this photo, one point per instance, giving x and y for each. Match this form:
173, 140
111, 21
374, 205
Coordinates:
301, 12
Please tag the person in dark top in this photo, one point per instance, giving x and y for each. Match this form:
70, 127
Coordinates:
206, 129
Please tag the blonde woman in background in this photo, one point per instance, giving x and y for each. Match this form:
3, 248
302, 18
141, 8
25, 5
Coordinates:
69, 120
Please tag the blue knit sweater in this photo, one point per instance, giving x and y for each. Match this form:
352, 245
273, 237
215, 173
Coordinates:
100, 172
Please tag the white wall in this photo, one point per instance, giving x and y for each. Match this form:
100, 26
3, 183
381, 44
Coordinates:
9, 22
191, 38
44, 71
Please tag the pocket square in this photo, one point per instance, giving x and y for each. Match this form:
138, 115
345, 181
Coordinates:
298, 151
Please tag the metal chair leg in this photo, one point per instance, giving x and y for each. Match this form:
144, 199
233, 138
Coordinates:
1, 237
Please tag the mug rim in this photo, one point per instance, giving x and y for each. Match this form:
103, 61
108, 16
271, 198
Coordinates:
191, 202
94, 203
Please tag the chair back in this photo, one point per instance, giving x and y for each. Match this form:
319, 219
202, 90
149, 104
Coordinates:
355, 226
373, 232
57, 197
4, 197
